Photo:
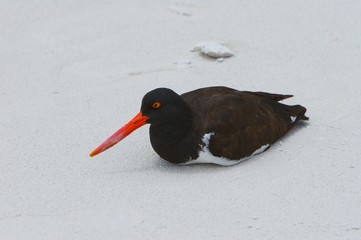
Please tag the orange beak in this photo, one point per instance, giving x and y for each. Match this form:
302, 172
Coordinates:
119, 135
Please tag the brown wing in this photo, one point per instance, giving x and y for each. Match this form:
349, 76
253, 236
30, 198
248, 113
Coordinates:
242, 122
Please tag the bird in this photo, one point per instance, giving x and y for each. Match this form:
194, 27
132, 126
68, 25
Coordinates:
215, 125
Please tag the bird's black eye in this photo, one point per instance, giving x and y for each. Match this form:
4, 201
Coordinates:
156, 105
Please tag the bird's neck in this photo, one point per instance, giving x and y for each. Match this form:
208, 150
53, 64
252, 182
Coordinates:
174, 131
174, 142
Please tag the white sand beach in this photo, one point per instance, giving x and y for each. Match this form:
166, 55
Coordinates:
73, 72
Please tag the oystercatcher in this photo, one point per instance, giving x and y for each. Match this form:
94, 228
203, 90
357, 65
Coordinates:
216, 125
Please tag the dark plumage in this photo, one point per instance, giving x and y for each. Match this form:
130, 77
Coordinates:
240, 122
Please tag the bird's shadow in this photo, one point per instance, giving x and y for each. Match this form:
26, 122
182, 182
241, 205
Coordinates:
300, 125
160, 165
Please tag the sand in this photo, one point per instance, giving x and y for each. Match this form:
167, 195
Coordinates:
73, 72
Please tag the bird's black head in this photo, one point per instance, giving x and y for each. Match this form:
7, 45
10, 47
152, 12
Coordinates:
165, 110
164, 107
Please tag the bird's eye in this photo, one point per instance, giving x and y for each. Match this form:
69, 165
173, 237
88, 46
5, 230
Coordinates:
156, 105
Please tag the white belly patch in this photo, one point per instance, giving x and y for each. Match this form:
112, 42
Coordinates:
205, 156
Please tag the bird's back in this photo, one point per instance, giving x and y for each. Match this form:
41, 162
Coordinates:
241, 122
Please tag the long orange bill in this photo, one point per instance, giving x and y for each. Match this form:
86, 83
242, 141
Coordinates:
119, 135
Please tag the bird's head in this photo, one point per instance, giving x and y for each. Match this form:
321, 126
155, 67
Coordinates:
160, 107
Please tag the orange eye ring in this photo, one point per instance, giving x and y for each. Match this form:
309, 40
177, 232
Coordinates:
156, 105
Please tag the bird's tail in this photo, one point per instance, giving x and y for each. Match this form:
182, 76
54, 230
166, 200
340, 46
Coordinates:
296, 113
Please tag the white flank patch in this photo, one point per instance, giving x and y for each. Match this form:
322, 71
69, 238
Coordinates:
213, 50
261, 149
205, 156
293, 119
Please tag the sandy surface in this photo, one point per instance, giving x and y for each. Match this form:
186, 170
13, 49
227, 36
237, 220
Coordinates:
73, 72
